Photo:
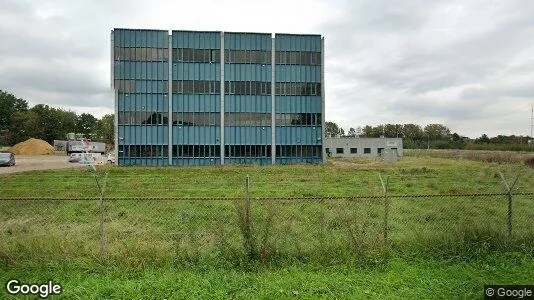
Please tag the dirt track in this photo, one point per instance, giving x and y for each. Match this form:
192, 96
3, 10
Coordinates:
25, 163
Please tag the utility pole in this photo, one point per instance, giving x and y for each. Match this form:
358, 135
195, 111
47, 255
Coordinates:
531, 121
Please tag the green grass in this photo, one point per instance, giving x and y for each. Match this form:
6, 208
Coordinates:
411, 175
444, 247
399, 278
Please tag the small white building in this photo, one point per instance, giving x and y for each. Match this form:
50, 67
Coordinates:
362, 147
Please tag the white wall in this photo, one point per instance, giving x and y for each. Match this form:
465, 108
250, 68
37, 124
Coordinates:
360, 144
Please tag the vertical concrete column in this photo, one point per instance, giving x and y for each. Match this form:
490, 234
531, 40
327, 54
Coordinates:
323, 116
273, 104
222, 98
116, 100
169, 98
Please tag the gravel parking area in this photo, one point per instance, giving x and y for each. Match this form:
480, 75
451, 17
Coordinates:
25, 163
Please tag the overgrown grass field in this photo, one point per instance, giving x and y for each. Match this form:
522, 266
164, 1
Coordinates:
435, 247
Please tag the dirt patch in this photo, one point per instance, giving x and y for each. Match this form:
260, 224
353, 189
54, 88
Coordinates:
24, 163
32, 147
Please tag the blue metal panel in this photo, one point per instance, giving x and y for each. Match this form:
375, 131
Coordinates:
298, 135
295, 104
242, 103
247, 135
196, 135
199, 40
297, 73
195, 71
196, 103
247, 41
297, 42
247, 72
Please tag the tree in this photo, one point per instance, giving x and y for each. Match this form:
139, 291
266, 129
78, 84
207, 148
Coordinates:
9, 105
412, 131
393, 130
332, 129
105, 129
437, 131
24, 126
483, 139
352, 132
370, 131
55, 123
86, 125
359, 131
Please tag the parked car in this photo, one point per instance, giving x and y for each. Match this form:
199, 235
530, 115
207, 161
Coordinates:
111, 158
7, 159
75, 157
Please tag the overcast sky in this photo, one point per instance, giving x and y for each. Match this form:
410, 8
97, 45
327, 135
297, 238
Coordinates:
466, 64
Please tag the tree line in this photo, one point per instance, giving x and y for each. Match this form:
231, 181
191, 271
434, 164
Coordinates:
433, 136
19, 122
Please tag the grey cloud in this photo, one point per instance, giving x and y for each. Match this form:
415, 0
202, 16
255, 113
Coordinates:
55, 50
413, 68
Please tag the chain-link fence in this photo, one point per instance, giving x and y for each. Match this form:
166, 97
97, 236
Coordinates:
149, 230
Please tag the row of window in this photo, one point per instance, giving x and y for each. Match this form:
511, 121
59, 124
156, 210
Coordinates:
311, 119
298, 89
246, 88
141, 54
298, 58
355, 150
352, 150
196, 55
298, 151
147, 151
214, 151
213, 118
214, 55
145, 86
143, 118
195, 87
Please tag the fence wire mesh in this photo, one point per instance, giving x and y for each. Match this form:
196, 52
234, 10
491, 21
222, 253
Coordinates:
185, 226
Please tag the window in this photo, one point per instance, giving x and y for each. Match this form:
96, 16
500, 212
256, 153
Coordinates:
247, 56
380, 150
247, 87
247, 119
339, 150
298, 57
353, 150
140, 54
302, 119
195, 87
366, 150
327, 150
298, 88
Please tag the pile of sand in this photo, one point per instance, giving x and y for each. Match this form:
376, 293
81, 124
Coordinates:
32, 147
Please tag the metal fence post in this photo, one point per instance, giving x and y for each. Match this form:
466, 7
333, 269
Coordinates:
385, 187
102, 216
248, 221
509, 191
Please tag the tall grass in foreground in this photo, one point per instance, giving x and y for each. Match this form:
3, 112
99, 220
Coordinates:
219, 233
502, 157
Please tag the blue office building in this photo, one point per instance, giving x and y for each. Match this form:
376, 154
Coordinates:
205, 98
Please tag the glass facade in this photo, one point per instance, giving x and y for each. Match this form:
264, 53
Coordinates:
201, 98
